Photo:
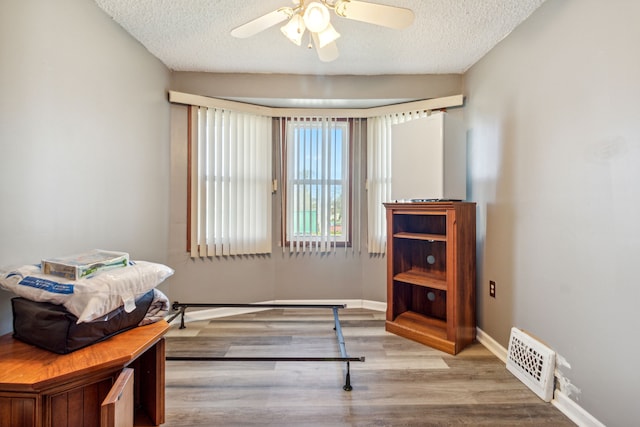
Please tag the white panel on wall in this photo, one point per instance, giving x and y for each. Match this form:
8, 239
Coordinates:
428, 159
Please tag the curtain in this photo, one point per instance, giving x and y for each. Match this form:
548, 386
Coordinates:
379, 132
231, 183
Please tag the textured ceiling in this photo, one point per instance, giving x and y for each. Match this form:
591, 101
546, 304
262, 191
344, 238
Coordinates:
447, 36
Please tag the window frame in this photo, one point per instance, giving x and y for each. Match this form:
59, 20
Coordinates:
347, 220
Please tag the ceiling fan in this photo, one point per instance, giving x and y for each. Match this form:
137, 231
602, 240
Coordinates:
315, 17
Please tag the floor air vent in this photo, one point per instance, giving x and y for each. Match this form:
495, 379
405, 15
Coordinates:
531, 362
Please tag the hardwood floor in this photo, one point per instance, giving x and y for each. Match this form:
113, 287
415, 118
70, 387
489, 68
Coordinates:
401, 383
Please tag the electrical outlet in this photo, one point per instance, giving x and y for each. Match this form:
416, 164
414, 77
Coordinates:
492, 288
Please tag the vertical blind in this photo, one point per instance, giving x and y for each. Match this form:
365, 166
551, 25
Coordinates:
231, 159
379, 174
231, 181
317, 176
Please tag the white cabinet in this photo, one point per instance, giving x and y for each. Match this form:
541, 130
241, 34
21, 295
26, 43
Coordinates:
429, 159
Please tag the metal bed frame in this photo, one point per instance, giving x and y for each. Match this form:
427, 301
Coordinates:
180, 309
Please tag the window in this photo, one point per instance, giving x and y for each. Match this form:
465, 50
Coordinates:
319, 210
317, 159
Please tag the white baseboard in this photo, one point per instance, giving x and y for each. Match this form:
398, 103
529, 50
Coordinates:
574, 411
374, 305
214, 313
568, 407
492, 345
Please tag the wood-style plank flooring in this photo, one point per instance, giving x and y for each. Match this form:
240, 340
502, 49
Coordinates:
401, 383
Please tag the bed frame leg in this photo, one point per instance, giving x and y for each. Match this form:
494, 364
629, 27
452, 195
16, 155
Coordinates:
182, 309
347, 384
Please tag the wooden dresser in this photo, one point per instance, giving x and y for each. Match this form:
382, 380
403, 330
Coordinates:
40, 388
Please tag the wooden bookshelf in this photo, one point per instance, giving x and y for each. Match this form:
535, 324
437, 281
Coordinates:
431, 273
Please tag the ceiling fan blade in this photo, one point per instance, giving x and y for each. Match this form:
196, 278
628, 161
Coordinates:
262, 23
327, 53
377, 14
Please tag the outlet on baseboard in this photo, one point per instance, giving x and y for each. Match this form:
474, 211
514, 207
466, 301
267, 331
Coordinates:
492, 288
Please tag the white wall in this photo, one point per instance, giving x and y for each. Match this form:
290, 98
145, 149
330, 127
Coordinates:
554, 133
84, 137
275, 87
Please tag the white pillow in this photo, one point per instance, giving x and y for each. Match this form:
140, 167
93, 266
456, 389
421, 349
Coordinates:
88, 298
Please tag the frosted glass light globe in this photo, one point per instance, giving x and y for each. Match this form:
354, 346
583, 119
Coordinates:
316, 17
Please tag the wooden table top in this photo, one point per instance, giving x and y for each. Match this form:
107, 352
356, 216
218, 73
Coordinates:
24, 367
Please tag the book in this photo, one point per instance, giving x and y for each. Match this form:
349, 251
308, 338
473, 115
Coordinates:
79, 266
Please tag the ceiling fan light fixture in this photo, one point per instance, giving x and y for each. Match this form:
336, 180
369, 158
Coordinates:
294, 29
316, 17
327, 36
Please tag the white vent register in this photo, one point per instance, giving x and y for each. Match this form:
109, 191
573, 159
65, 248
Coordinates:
531, 362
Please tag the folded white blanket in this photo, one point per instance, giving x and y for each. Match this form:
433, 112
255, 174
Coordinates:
158, 309
87, 298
